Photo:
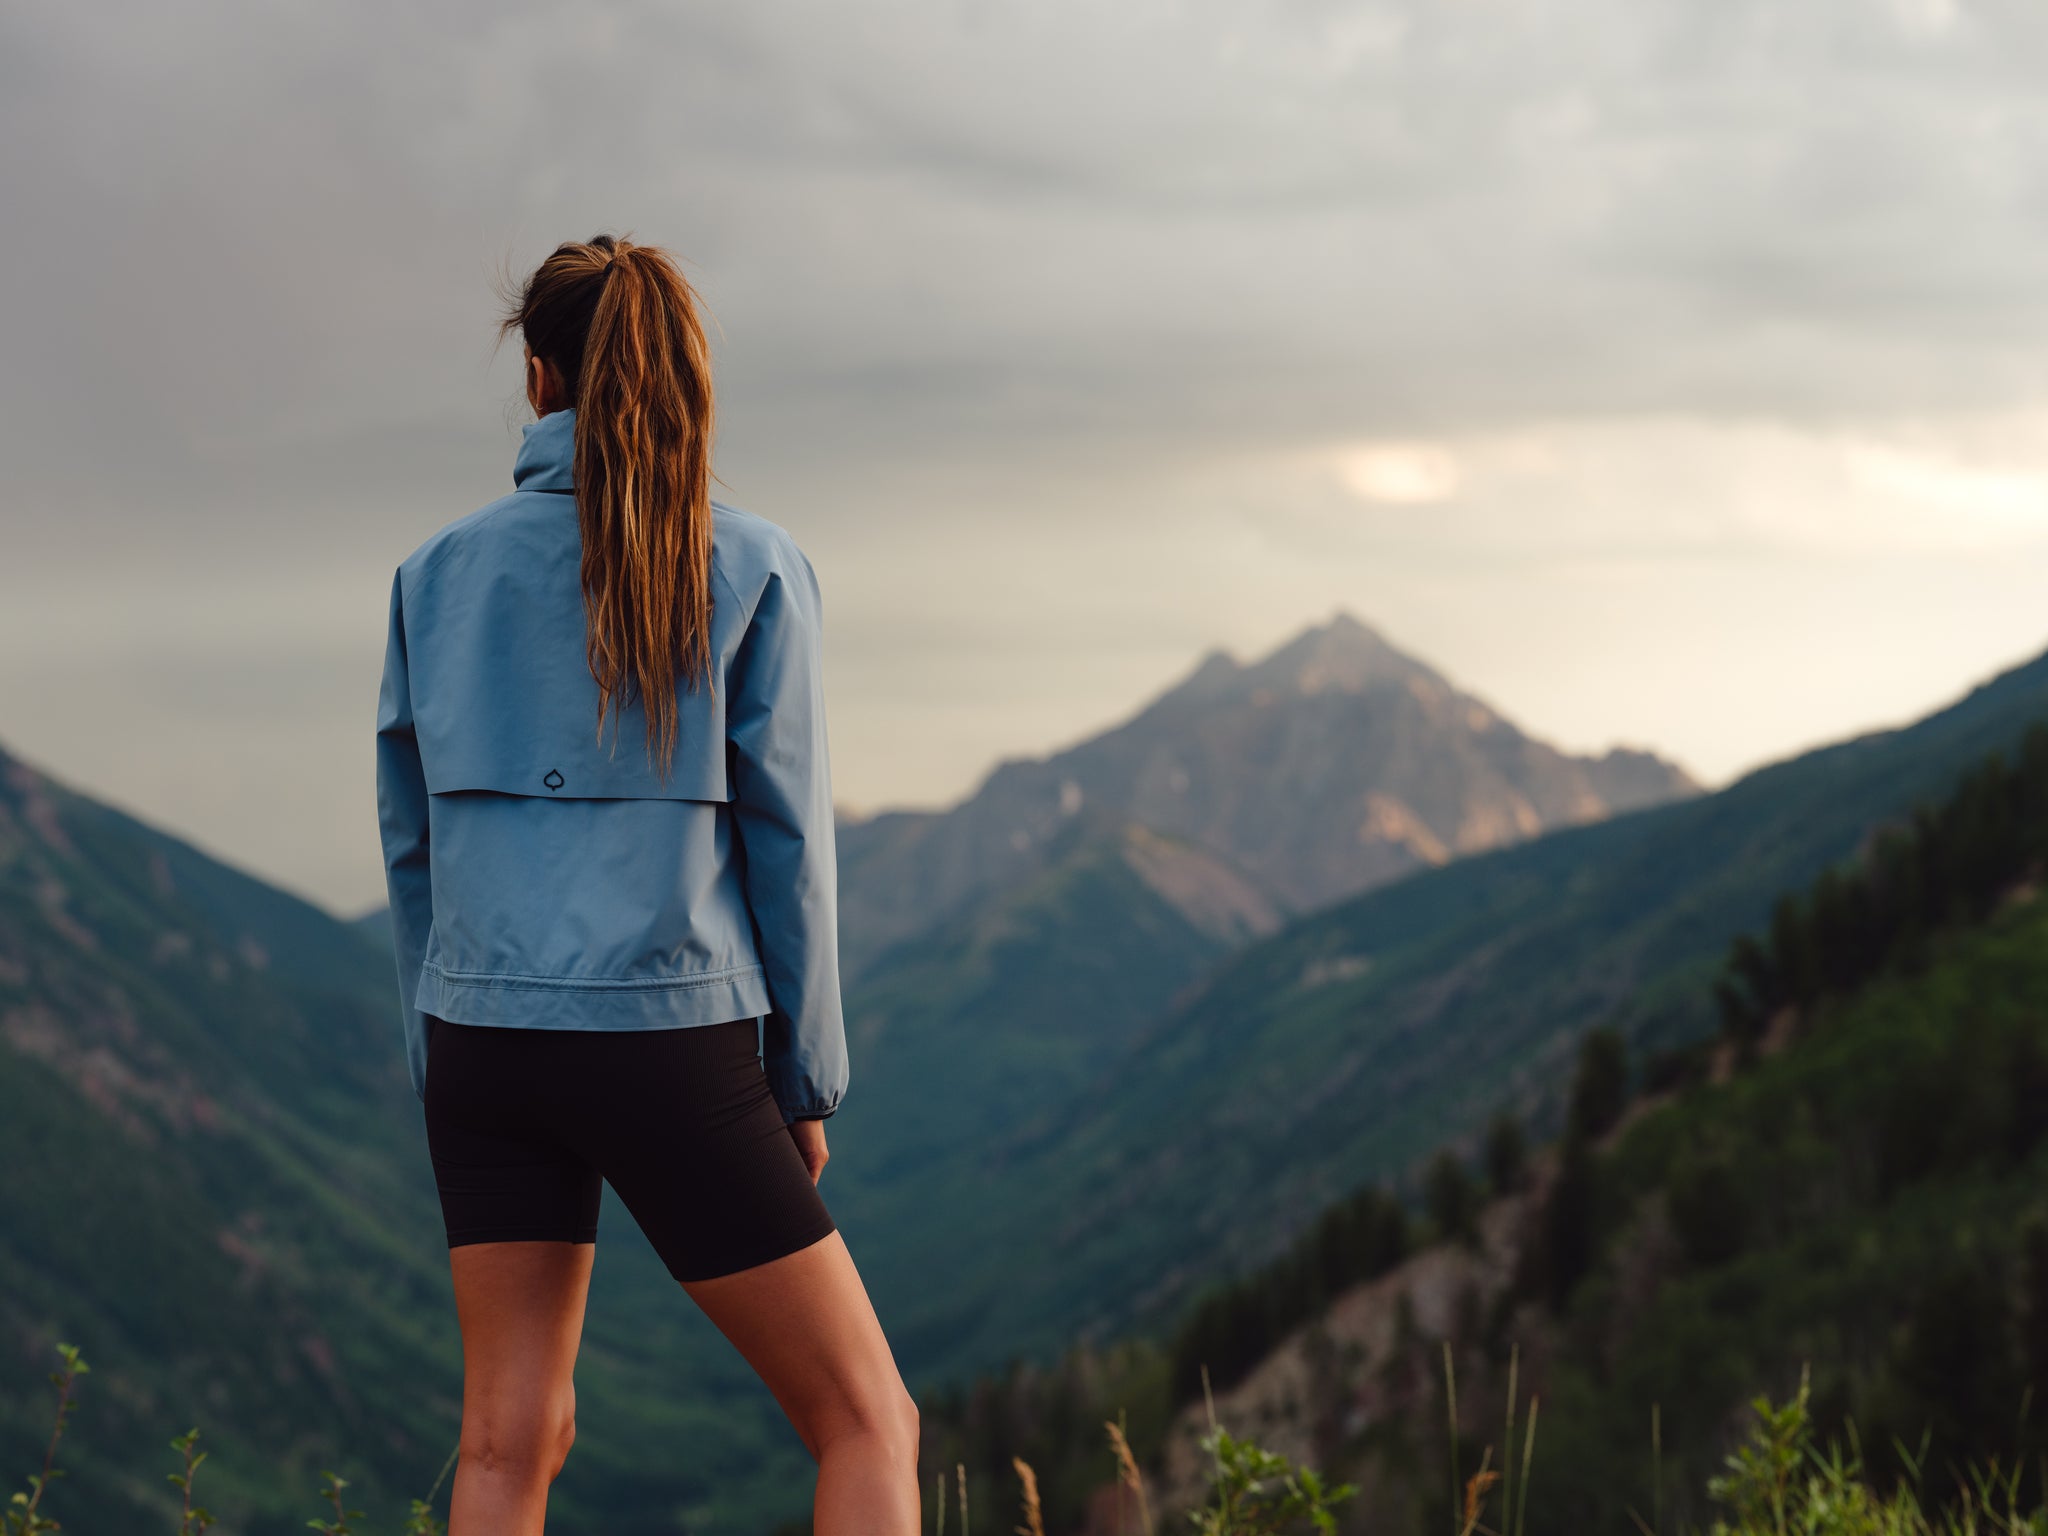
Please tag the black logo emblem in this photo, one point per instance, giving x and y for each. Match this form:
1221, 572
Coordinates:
554, 780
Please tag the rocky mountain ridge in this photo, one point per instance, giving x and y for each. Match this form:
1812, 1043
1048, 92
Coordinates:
1329, 766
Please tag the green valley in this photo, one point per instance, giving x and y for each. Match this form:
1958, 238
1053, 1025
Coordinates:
1080, 1096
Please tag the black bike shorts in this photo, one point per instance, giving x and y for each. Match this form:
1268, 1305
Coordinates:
526, 1125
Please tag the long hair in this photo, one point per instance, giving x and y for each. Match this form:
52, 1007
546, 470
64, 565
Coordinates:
619, 323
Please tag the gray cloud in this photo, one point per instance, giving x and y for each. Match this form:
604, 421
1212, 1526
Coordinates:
1029, 318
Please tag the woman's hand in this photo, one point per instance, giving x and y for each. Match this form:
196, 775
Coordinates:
810, 1141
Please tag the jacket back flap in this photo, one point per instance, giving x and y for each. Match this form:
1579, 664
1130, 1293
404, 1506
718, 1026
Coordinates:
502, 694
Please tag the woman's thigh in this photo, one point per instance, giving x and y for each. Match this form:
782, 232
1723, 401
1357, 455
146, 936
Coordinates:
684, 1127
521, 1306
806, 1326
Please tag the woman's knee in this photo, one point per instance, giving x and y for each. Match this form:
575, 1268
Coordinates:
890, 1419
520, 1440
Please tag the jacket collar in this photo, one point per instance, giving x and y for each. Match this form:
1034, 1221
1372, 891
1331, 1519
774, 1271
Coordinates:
547, 457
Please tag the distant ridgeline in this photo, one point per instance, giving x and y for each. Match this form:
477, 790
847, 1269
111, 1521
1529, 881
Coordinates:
1854, 1178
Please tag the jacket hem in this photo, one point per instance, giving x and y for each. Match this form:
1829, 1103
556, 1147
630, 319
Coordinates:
715, 997
589, 983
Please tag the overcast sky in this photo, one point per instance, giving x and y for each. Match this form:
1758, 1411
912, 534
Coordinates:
1667, 372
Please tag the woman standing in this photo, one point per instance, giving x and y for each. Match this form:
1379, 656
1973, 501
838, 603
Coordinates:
618, 962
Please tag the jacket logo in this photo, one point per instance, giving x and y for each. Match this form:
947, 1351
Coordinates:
554, 780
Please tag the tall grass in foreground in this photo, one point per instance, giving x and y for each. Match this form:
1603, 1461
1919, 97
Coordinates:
1778, 1482
25, 1516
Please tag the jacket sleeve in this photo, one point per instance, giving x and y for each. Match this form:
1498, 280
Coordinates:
782, 815
402, 817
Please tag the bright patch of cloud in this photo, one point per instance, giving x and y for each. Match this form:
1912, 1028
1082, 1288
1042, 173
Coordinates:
1631, 487
1402, 473
1977, 502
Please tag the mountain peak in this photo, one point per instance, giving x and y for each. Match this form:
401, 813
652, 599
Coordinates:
1343, 654
1332, 763
1343, 622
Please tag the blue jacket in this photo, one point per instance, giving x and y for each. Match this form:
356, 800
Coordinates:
540, 879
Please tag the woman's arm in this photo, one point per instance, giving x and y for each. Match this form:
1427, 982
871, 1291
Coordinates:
402, 817
782, 814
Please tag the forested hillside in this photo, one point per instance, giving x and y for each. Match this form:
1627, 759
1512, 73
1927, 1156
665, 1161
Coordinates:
1850, 1179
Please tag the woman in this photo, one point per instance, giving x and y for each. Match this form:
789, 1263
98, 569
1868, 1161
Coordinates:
592, 939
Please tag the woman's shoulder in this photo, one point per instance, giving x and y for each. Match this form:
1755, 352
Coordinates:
498, 527
750, 551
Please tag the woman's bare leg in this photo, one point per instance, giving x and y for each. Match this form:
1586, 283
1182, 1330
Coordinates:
806, 1326
521, 1310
